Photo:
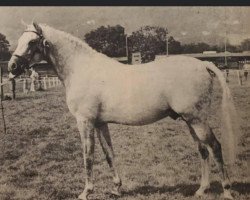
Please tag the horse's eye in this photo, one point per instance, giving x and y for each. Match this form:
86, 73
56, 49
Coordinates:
32, 42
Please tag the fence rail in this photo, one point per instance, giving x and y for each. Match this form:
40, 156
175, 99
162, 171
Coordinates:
26, 84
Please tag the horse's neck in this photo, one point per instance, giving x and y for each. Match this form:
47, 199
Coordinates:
63, 51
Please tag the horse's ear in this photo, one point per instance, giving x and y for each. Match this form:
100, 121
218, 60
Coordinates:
37, 27
23, 23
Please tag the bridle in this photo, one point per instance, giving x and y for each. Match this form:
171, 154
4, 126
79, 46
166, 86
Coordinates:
42, 45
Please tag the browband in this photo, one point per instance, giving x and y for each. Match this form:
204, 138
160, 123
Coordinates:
40, 35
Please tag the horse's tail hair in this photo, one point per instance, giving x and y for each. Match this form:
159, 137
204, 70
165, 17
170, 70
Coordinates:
230, 128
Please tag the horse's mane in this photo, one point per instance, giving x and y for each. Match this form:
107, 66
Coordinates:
75, 43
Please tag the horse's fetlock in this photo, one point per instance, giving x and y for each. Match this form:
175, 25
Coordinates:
117, 181
226, 185
89, 188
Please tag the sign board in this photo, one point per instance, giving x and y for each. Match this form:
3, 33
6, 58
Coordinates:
209, 52
136, 58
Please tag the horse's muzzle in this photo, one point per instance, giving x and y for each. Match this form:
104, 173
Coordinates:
15, 67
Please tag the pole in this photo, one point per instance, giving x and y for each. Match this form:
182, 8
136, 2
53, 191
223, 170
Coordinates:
226, 49
1, 100
12, 83
126, 47
167, 44
1, 81
4, 123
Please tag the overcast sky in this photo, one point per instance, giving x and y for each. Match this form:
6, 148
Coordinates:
186, 24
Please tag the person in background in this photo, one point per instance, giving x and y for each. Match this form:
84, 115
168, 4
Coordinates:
12, 88
245, 74
239, 73
34, 77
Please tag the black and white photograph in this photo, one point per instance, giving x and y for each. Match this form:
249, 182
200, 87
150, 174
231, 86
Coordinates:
124, 102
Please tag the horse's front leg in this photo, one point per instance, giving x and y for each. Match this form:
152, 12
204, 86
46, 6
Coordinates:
106, 143
86, 128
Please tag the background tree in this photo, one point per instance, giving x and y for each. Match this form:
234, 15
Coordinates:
108, 40
195, 47
4, 48
174, 46
230, 48
245, 45
151, 41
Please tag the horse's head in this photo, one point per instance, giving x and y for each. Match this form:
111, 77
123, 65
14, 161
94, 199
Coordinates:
32, 47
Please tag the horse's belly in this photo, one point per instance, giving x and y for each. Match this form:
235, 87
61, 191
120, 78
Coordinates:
139, 113
133, 118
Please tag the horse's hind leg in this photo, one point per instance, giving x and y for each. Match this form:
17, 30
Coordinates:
214, 148
205, 184
86, 129
207, 138
105, 141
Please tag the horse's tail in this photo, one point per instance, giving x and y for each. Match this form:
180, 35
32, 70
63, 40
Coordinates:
230, 121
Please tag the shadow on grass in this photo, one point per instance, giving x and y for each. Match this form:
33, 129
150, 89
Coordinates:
242, 188
186, 189
30, 96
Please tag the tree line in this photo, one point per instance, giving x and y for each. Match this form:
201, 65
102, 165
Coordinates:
149, 40
4, 48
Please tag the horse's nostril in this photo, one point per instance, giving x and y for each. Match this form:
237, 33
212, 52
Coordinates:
14, 66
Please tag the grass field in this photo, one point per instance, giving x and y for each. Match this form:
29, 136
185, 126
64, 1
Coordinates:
41, 155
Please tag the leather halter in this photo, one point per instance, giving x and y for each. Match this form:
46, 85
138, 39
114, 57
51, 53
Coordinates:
24, 60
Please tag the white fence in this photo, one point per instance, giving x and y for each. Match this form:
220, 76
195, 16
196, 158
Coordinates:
26, 84
43, 83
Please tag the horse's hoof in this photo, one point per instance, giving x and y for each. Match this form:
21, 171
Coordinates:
83, 196
116, 193
201, 191
199, 194
227, 195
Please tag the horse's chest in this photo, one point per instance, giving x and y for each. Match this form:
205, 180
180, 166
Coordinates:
83, 102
